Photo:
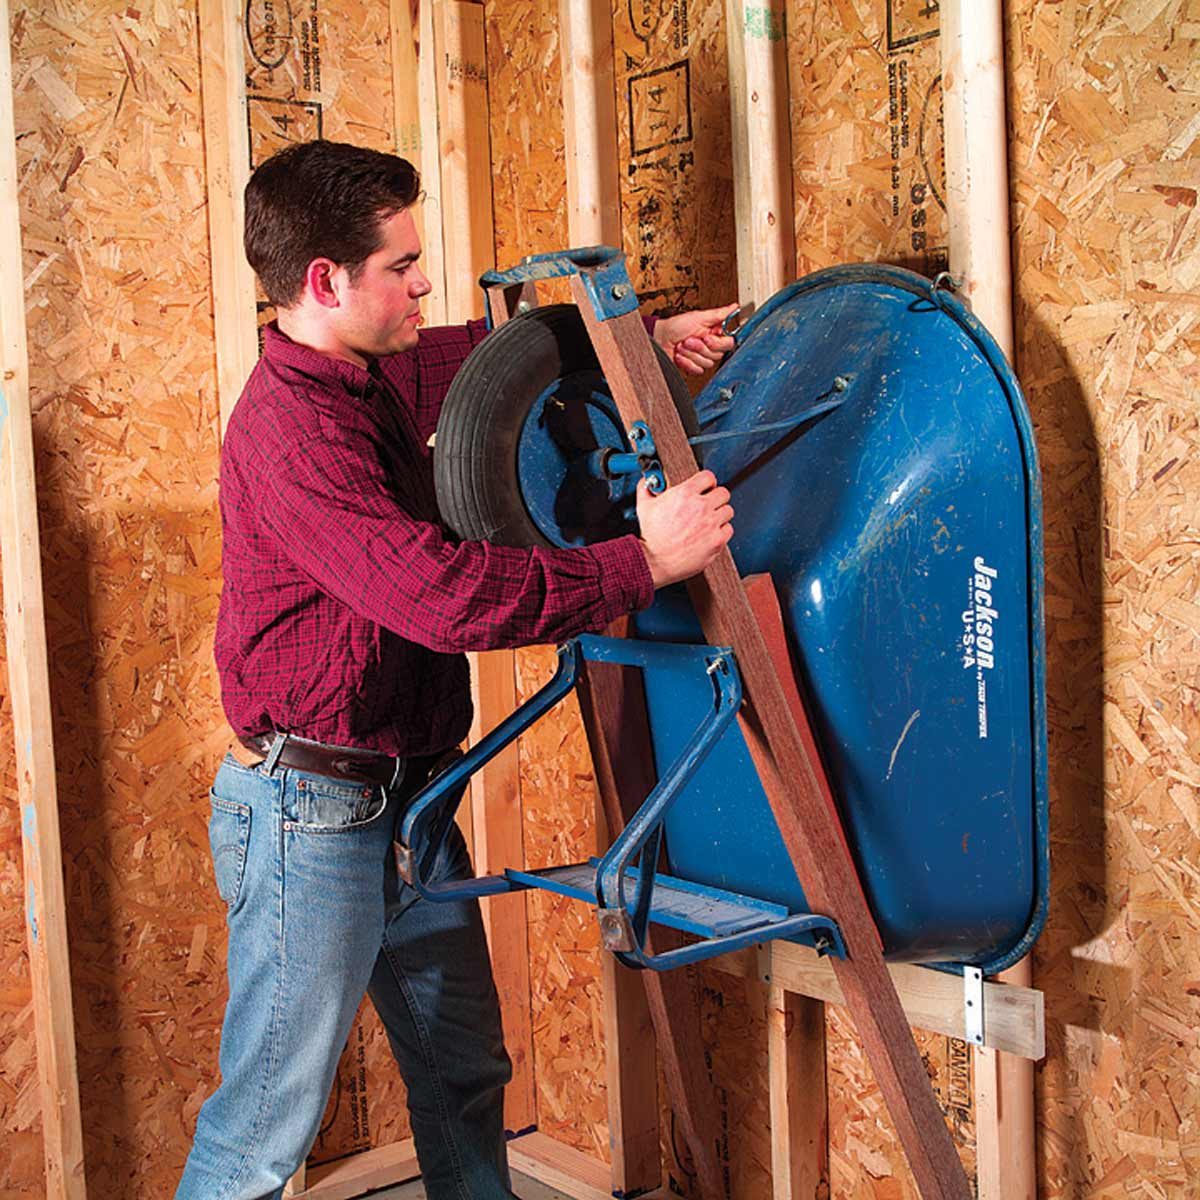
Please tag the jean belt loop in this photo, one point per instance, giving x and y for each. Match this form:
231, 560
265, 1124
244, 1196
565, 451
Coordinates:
281, 740
397, 775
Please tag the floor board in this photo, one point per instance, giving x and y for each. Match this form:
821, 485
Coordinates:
525, 1188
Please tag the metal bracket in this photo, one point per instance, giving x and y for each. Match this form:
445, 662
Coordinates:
642, 441
616, 929
973, 1004
602, 269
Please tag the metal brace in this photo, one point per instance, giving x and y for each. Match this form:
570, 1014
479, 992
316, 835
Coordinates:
642, 442
616, 929
973, 1004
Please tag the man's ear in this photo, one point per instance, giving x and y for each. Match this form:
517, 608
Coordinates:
321, 282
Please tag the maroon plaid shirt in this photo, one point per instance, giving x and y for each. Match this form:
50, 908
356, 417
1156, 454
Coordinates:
346, 606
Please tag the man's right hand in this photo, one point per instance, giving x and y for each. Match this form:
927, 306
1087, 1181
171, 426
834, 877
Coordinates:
683, 528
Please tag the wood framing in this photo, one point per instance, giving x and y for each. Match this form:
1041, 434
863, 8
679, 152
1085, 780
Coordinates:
227, 162
803, 810
433, 261
1014, 1016
590, 122
363, 1172
799, 1102
977, 202
463, 151
594, 218
562, 1167
613, 705
766, 260
762, 148
498, 843
29, 688
464, 166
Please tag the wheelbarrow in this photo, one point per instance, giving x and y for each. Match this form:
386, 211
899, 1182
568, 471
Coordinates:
884, 474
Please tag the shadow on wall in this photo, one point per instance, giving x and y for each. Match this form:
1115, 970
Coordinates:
131, 714
1084, 902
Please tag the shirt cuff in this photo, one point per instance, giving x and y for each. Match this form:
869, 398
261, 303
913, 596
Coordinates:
625, 581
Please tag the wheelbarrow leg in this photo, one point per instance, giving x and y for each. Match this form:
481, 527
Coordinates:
810, 832
613, 705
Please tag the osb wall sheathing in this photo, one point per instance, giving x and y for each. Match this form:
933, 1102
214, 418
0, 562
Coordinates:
1105, 100
120, 344
112, 188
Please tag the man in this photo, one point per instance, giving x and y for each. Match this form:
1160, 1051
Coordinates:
345, 611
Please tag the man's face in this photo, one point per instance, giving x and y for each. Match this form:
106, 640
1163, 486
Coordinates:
380, 312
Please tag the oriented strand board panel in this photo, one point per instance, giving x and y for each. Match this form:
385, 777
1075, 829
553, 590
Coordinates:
865, 80
674, 152
122, 368
558, 790
1105, 110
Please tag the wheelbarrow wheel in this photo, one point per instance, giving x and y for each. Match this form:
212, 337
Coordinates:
477, 467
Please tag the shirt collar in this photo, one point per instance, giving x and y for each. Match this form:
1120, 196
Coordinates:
283, 353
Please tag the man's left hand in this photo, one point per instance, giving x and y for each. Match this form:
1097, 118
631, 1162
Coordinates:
693, 340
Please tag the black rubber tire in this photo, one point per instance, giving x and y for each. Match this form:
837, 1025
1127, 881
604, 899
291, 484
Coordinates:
475, 451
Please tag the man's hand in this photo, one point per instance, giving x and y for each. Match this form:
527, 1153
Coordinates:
684, 527
694, 340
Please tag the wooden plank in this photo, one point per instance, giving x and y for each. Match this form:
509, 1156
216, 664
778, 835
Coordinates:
795, 1023
976, 141
801, 807
467, 237
404, 42
428, 213
590, 122
464, 154
613, 705
363, 1172
496, 812
29, 689
594, 218
227, 163
558, 1166
1014, 1016
977, 201
799, 1108
762, 147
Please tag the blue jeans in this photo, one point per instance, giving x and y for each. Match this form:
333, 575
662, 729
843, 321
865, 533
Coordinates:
317, 916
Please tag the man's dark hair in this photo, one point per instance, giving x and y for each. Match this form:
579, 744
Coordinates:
321, 200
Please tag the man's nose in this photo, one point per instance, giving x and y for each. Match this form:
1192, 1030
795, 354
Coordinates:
421, 285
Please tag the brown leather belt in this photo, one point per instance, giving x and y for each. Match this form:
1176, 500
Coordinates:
340, 762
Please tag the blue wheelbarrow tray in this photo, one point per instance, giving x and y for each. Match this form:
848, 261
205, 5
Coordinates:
884, 474
902, 528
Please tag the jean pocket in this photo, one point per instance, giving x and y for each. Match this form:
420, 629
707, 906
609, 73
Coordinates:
313, 804
228, 837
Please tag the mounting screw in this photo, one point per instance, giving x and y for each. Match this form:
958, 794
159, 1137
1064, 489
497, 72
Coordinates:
841, 383
523, 306
620, 291
725, 394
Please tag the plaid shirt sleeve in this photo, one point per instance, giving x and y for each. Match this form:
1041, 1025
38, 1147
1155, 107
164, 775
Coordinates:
331, 507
